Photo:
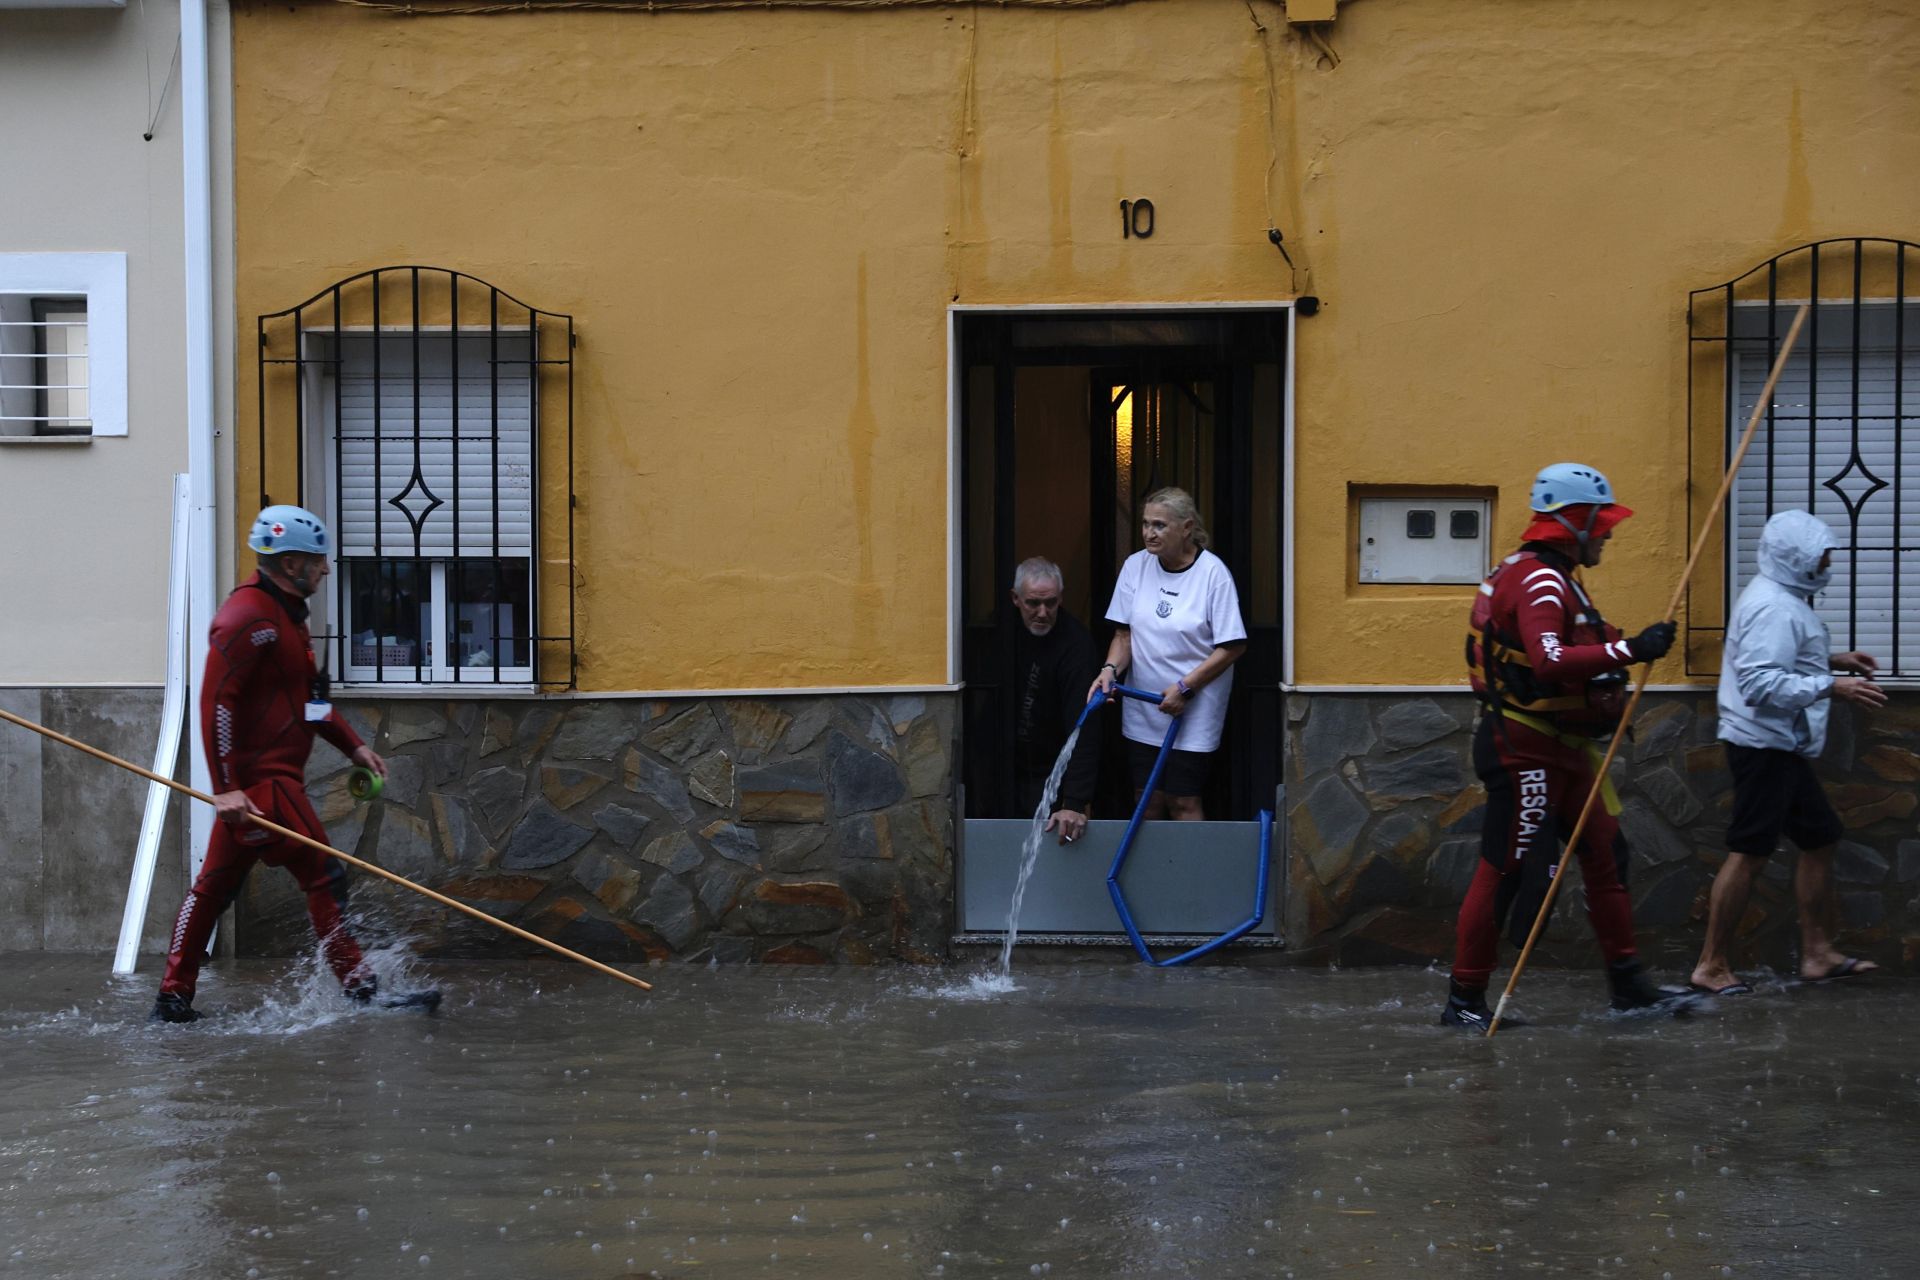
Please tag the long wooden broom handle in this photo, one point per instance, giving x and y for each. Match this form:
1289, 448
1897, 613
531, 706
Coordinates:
289, 834
1646, 669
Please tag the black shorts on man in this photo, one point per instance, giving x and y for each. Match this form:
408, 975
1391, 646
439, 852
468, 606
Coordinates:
1774, 793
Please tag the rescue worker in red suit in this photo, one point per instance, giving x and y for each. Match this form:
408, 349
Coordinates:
261, 705
1551, 675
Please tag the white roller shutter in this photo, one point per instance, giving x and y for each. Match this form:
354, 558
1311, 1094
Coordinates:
491, 455
1788, 467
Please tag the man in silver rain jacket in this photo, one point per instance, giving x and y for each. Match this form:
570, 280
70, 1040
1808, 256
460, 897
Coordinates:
1776, 680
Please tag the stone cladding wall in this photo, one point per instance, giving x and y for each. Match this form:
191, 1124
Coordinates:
801, 830
1384, 815
69, 823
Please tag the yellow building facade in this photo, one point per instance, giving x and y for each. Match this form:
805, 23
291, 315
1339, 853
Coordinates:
1470, 228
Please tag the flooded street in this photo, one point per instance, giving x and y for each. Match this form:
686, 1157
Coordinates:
1101, 1119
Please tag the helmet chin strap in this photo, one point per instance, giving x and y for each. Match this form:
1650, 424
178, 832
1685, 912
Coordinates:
302, 582
1580, 536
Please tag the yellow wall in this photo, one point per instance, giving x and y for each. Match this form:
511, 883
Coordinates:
758, 218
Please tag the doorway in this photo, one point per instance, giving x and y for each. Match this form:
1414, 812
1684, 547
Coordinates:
1067, 420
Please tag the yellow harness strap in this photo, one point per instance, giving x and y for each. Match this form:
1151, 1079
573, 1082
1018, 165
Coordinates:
1608, 796
1498, 653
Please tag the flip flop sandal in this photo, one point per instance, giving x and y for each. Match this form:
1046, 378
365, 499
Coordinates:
1731, 989
1847, 968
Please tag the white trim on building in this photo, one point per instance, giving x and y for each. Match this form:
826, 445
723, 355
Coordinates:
100, 278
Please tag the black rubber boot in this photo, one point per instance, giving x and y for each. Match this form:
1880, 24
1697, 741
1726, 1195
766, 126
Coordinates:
1633, 989
368, 992
1467, 1009
174, 1008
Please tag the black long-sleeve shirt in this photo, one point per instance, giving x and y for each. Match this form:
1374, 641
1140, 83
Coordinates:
1051, 674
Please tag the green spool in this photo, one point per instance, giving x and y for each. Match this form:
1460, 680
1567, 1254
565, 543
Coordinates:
364, 784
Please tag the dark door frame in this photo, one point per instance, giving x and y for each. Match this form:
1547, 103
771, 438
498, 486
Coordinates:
1272, 682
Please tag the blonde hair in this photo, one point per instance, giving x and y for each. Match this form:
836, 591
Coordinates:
1180, 503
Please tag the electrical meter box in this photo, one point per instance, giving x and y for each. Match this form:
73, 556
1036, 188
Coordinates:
1434, 539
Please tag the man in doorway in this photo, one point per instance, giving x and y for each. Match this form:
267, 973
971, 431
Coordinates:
1052, 666
1550, 673
1776, 686
262, 703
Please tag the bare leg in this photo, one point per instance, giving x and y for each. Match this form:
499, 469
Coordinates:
1156, 806
1728, 903
1185, 809
1813, 886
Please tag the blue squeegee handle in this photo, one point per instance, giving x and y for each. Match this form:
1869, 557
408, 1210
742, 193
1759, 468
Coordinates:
1120, 690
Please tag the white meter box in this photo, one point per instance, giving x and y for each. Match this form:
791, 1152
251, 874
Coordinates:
1433, 539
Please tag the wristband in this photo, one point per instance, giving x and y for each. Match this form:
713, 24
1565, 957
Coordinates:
1184, 691
1108, 666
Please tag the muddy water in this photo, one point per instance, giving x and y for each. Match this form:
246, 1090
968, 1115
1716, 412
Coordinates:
1098, 1120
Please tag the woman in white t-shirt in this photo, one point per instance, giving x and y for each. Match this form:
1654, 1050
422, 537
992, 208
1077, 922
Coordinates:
1179, 630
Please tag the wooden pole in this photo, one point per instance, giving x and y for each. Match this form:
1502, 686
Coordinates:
1646, 669
289, 834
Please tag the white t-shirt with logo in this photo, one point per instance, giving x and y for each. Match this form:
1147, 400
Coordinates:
1177, 620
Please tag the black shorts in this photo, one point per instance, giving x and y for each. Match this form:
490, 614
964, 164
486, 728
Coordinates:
1776, 792
1185, 774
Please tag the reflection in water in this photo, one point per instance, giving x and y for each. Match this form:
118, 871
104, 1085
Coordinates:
1099, 1120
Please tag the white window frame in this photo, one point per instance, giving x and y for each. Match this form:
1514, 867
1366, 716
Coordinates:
318, 393
101, 278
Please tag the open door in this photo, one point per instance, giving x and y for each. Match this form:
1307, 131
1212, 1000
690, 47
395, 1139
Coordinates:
1068, 420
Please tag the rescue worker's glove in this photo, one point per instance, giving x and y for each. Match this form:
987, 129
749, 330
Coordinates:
1653, 642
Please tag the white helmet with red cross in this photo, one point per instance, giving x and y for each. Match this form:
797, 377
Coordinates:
288, 528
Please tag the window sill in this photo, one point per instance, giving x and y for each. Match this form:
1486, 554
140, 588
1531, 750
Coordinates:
466, 688
49, 440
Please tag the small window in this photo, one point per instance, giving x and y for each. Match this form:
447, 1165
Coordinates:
1464, 524
43, 364
63, 363
1420, 524
1836, 437
412, 404
434, 502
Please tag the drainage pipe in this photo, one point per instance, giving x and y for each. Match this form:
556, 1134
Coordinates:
133, 917
196, 156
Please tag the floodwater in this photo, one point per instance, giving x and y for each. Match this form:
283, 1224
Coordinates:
1099, 1119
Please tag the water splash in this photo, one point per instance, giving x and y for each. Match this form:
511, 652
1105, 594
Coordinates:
1030, 853
308, 997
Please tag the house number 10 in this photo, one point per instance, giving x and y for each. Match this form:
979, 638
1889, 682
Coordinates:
1136, 219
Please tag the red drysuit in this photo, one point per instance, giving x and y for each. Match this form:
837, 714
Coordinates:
1540, 657
260, 675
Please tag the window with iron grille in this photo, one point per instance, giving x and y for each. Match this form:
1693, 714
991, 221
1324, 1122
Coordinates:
63, 357
1833, 441
430, 418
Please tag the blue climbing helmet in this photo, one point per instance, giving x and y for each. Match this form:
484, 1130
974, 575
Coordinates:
1572, 501
1566, 484
288, 528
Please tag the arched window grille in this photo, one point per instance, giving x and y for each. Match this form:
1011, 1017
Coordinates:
428, 416
1834, 441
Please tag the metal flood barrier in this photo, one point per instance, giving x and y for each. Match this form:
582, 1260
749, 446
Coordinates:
1185, 882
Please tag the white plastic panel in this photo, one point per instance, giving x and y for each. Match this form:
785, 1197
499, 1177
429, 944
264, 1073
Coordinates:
1432, 539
